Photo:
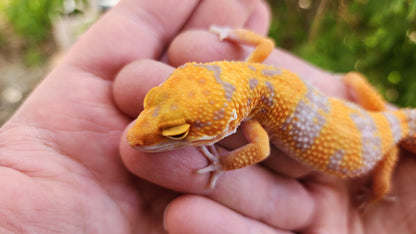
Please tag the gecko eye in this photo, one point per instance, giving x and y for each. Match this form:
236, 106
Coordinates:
177, 132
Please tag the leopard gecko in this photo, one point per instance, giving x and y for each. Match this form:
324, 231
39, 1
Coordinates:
201, 103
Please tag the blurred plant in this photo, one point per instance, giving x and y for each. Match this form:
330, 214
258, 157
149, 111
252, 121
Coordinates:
2, 19
375, 37
32, 20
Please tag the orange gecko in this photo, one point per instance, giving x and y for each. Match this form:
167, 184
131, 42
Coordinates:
201, 103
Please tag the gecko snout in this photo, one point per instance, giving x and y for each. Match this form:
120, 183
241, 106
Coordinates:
143, 138
134, 140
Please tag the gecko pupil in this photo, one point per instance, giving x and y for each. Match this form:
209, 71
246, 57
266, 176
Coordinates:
178, 136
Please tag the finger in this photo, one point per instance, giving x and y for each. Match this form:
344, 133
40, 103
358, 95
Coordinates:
174, 169
262, 195
253, 191
184, 215
285, 165
130, 31
259, 20
134, 81
233, 14
333, 212
202, 46
251, 14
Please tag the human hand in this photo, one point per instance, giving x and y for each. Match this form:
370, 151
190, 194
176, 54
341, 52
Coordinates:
59, 154
280, 197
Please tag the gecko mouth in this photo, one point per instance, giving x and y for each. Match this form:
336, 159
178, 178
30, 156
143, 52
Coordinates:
161, 147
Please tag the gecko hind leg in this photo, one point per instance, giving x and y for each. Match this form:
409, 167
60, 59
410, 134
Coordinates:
368, 98
381, 183
263, 46
363, 92
382, 174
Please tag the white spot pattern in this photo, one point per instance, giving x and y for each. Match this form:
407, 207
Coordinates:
411, 120
395, 127
228, 88
370, 141
335, 160
219, 114
271, 72
253, 82
252, 68
306, 121
269, 98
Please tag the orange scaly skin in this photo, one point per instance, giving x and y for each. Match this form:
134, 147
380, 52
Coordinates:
200, 104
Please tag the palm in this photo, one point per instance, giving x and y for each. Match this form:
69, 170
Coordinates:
62, 147
72, 175
77, 199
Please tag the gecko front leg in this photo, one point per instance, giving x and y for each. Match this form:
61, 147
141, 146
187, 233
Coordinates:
255, 151
213, 157
367, 97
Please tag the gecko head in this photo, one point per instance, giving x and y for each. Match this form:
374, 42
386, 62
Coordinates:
161, 126
153, 138
186, 110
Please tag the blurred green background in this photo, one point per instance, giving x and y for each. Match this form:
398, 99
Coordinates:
375, 37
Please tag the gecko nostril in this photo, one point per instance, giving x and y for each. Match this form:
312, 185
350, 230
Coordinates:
134, 141
139, 143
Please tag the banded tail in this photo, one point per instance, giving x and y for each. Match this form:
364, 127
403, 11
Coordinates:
409, 142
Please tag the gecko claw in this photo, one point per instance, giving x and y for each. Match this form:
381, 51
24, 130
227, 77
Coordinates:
217, 172
222, 32
211, 167
214, 166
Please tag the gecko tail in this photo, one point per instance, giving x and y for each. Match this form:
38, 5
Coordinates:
409, 142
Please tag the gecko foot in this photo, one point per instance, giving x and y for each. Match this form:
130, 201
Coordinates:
364, 198
222, 32
215, 166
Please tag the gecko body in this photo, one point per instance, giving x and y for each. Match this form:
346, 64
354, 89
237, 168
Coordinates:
201, 103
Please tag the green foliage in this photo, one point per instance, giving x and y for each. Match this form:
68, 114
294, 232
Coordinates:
375, 37
31, 18
2, 35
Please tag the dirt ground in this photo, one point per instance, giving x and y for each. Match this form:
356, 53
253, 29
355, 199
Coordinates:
16, 82
16, 79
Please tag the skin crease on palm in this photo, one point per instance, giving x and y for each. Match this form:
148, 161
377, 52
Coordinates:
65, 165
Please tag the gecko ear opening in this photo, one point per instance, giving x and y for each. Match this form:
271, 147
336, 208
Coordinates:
148, 95
177, 132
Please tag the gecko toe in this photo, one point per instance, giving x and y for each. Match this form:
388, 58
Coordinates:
207, 169
215, 175
215, 166
222, 32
